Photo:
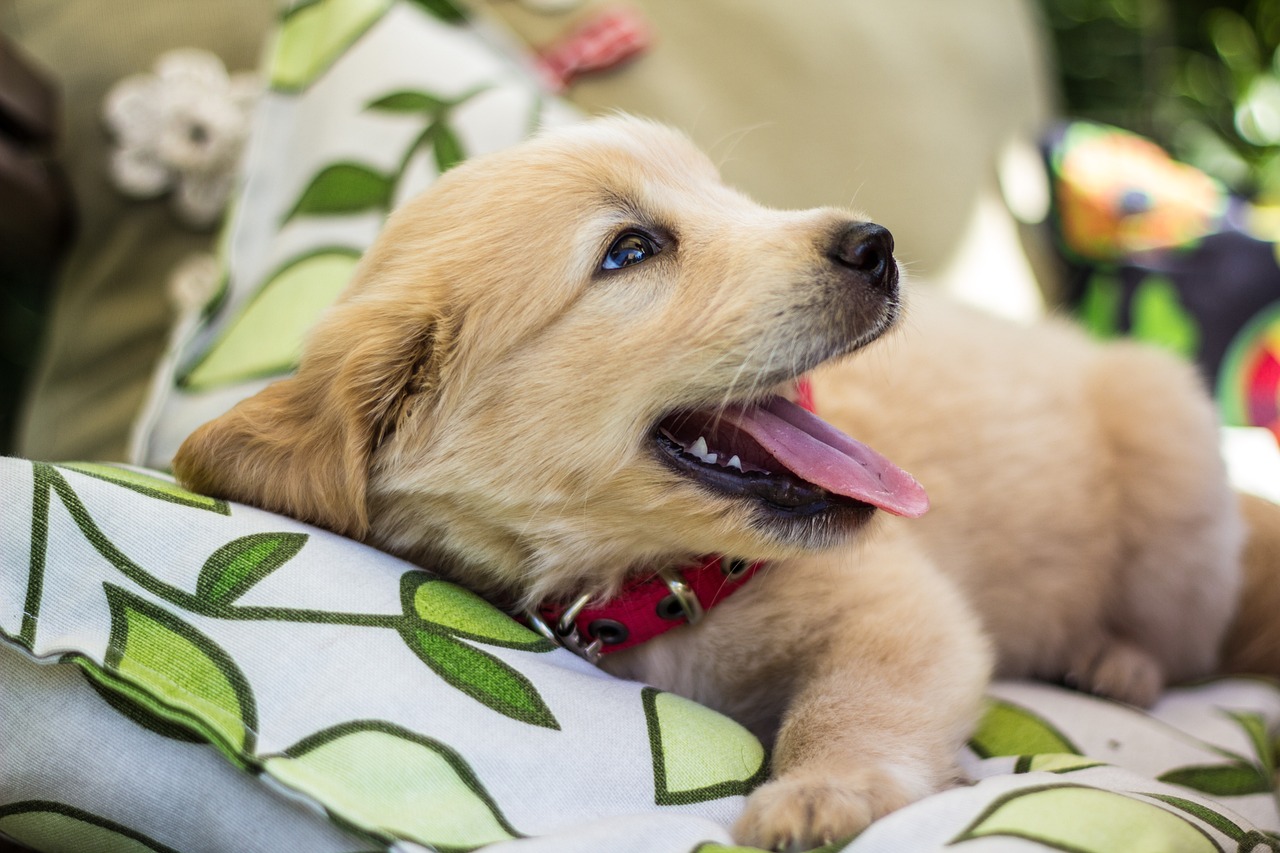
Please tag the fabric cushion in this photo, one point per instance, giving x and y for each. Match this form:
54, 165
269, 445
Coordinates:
369, 100
181, 673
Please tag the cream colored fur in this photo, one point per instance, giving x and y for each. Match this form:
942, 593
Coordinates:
481, 401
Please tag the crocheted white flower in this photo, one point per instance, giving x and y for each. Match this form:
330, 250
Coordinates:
181, 128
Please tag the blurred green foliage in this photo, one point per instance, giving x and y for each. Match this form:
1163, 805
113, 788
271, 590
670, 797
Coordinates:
1201, 77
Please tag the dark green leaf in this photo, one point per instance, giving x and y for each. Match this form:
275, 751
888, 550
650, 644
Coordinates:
341, 189
235, 567
1209, 816
409, 102
1256, 729
1220, 780
448, 149
481, 676
445, 10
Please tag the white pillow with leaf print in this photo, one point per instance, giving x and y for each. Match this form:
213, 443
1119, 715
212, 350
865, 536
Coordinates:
369, 100
211, 648
182, 673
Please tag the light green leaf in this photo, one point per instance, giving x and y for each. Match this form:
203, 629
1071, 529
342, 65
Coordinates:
342, 189
313, 35
135, 704
1221, 780
1086, 819
266, 339
1053, 763
146, 484
698, 754
458, 611
481, 676
180, 669
448, 149
1007, 729
55, 827
409, 102
235, 567
395, 783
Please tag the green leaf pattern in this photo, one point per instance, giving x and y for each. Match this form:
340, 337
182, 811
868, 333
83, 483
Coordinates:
399, 784
171, 662
235, 567
343, 188
698, 754
1085, 820
181, 669
1007, 729
56, 827
481, 676
148, 484
266, 339
313, 35
451, 609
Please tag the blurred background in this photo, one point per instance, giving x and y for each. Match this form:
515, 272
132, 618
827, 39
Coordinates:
1199, 77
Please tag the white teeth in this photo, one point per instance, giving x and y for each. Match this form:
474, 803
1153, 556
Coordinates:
698, 450
734, 462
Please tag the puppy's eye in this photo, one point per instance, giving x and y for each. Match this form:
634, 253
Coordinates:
630, 248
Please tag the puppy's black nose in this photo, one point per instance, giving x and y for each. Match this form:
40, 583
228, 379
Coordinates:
866, 248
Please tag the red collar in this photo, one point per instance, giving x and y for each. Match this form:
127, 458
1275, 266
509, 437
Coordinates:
647, 606
643, 609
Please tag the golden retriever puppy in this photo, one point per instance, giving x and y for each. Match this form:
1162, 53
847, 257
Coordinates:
573, 363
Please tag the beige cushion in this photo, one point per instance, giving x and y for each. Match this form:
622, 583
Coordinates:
900, 109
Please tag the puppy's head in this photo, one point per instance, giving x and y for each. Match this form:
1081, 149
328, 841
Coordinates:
562, 363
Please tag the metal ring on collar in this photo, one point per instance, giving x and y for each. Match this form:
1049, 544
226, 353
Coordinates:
538, 624
565, 626
684, 594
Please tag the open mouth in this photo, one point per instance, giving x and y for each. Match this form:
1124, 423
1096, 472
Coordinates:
785, 457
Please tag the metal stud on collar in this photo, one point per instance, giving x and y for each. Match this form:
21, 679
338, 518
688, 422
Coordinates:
681, 602
684, 594
565, 633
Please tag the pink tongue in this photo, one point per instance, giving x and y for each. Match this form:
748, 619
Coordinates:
818, 453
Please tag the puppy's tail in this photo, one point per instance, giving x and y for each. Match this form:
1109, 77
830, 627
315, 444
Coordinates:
1253, 642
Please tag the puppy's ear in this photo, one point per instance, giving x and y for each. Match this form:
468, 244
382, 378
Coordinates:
302, 446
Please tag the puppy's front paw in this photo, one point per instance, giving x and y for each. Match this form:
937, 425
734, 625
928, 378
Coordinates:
1120, 671
795, 814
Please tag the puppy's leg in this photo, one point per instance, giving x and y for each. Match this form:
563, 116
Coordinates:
1181, 532
891, 684
864, 667
1253, 644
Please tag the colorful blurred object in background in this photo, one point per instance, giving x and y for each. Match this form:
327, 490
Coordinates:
1175, 243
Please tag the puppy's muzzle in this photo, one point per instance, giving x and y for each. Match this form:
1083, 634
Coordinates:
866, 250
